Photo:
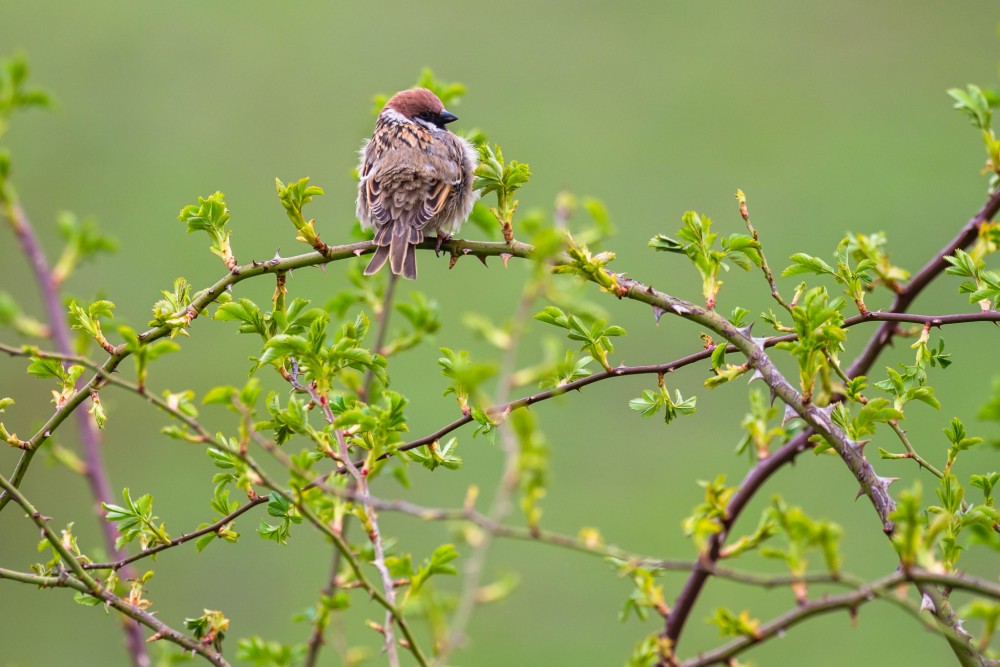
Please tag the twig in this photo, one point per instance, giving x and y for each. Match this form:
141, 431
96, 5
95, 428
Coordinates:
316, 640
911, 452
212, 528
850, 601
931, 270
764, 267
370, 519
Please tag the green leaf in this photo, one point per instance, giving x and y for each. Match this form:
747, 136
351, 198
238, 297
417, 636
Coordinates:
438, 563
973, 104
804, 263
664, 243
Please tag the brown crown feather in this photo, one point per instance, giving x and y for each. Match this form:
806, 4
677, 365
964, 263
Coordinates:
411, 102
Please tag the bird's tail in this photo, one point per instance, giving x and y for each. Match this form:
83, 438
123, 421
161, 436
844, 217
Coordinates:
378, 260
397, 244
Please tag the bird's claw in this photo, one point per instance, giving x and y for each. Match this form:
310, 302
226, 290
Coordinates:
441, 238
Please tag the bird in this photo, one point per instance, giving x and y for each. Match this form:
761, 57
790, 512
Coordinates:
416, 179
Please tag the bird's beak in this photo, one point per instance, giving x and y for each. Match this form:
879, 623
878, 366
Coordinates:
446, 117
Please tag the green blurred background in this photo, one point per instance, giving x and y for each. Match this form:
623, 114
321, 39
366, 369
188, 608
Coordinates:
831, 116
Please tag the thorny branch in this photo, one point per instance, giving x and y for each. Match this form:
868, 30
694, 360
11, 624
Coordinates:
753, 349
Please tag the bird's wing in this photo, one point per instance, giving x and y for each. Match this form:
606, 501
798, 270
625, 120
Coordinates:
403, 182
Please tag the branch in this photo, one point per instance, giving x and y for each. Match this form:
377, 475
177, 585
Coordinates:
187, 537
763, 470
779, 625
931, 270
516, 249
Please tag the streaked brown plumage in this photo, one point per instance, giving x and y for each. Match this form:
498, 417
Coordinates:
416, 179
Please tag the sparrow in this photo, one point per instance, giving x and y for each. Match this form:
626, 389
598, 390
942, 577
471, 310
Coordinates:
416, 179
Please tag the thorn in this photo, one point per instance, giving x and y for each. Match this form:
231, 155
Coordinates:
452, 261
759, 342
277, 255
482, 258
254, 263
860, 493
359, 251
466, 251
790, 414
658, 313
858, 445
927, 603
649, 289
681, 310
505, 256
745, 330
887, 482
826, 411
756, 376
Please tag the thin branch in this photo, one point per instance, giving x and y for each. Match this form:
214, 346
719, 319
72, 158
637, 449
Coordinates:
931, 270
764, 267
370, 522
316, 640
911, 452
187, 537
352, 562
850, 601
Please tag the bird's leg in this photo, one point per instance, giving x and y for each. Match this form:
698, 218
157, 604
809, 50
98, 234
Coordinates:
441, 239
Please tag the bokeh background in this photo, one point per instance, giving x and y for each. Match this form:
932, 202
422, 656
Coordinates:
831, 116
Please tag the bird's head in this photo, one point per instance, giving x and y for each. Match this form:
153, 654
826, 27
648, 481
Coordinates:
420, 105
